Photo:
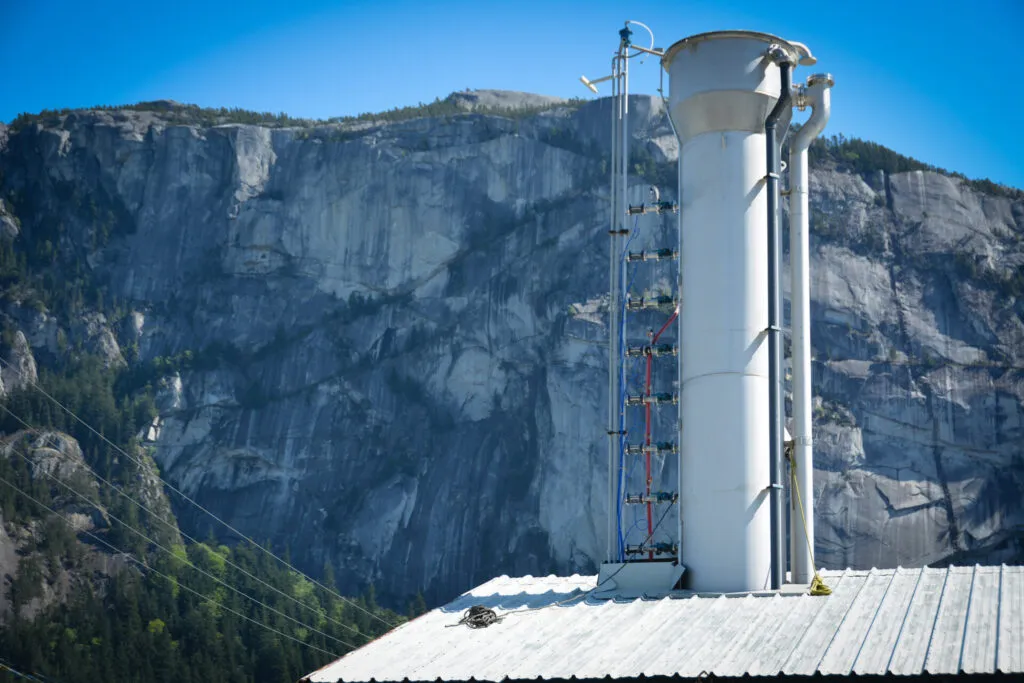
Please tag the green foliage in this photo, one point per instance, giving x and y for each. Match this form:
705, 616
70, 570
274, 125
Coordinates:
974, 267
834, 413
191, 114
450, 106
862, 156
144, 627
417, 606
180, 114
664, 174
141, 626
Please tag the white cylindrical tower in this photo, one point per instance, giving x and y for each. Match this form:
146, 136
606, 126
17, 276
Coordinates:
722, 87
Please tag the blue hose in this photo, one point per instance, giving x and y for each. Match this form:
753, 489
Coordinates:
622, 385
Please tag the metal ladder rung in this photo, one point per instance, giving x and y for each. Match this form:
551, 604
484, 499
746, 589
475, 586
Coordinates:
668, 303
657, 207
653, 399
655, 350
656, 548
655, 497
663, 447
656, 255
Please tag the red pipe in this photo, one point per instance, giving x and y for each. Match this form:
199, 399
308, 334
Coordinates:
665, 326
647, 453
647, 431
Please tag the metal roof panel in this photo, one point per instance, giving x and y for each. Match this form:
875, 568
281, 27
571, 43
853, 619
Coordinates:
896, 621
947, 636
979, 647
1011, 620
878, 647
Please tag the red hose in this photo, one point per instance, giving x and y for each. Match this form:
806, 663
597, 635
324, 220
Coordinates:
647, 432
647, 453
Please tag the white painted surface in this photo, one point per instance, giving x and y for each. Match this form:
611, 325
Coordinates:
883, 621
721, 88
724, 403
801, 536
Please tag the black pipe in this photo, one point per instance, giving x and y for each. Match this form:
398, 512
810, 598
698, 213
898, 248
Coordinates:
778, 532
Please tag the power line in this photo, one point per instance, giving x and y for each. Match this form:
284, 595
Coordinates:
190, 500
174, 528
184, 560
146, 567
38, 678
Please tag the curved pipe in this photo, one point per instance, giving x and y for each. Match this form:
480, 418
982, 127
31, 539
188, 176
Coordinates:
778, 532
646, 28
817, 95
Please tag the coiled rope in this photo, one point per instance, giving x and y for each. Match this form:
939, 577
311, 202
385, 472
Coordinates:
478, 616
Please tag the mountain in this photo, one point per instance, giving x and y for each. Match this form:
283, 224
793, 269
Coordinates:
378, 341
100, 584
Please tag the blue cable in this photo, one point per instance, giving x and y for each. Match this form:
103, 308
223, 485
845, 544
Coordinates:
623, 390
634, 462
622, 384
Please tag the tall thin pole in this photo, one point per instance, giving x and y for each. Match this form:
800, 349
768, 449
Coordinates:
778, 531
612, 553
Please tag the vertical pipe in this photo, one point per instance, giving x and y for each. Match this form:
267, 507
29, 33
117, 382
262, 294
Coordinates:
679, 335
622, 231
613, 330
778, 535
817, 93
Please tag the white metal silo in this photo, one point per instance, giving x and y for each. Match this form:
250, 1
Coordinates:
722, 87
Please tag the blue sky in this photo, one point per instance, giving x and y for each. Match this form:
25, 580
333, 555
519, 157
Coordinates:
937, 80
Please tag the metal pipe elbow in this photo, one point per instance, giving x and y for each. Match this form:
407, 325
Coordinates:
816, 94
780, 57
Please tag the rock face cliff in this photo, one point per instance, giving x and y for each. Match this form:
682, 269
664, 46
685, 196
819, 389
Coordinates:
378, 348
51, 547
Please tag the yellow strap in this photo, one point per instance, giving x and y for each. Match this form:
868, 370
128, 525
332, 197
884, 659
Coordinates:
818, 586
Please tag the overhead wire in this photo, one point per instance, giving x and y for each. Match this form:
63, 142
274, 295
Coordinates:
146, 567
197, 505
39, 678
185, 561
173, 527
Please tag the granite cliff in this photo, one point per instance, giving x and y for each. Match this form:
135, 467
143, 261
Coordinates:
379, 342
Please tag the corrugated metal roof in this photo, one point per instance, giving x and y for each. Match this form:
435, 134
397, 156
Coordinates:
897, 621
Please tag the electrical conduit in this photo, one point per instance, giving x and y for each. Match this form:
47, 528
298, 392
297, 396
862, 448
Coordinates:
778, 537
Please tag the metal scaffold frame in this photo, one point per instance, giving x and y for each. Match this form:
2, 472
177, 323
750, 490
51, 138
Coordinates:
625, 307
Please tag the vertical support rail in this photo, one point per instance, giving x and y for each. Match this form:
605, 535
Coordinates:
620, 400
624, 43
775, 406
614, 305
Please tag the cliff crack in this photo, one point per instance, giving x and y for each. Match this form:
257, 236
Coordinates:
940, 473
904, 511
